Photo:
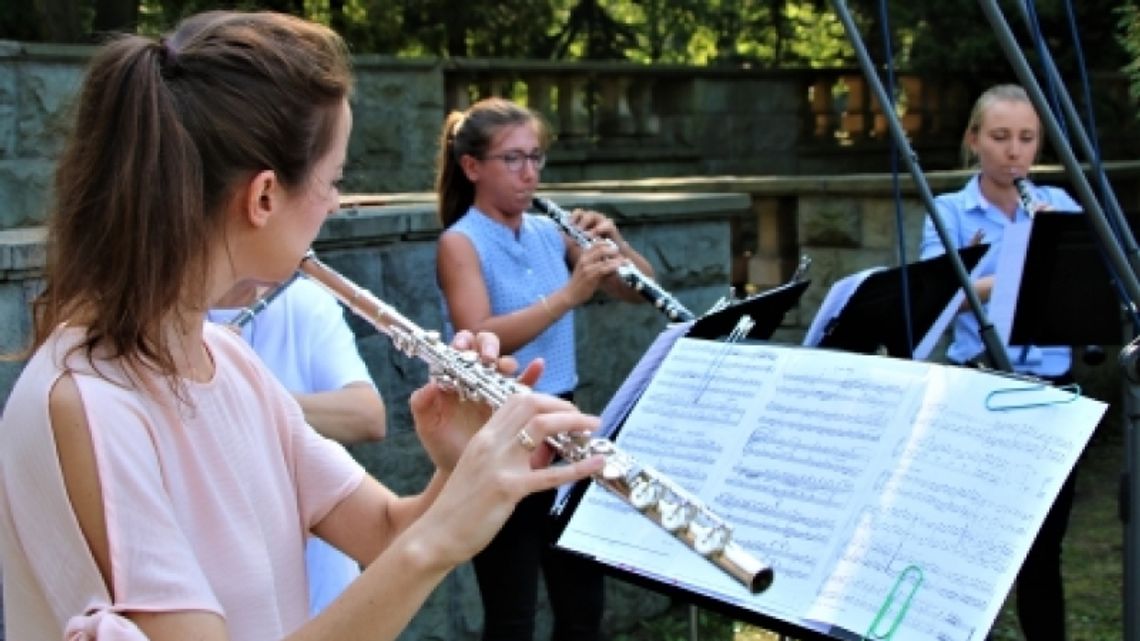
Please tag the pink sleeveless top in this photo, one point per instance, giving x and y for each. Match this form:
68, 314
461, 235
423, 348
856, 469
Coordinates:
207, 503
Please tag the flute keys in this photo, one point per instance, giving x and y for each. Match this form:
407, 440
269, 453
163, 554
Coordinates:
675, 512
644, 493
709, 538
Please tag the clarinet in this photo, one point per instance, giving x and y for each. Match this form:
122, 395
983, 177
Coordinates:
645, 489
242, 318
629, 274
1025, 193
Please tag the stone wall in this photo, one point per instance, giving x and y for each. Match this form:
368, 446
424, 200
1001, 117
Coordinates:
390, 251
612, 120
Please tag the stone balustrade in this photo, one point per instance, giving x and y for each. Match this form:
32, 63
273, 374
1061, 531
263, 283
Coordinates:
614, 121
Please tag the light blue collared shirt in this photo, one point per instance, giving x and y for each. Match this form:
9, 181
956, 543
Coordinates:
964, 213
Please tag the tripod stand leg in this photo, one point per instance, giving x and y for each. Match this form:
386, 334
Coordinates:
1130, 487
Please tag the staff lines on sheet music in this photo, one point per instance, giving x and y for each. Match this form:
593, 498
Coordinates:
825, 395
950, 584
920, 484
856, 382
664, 405
725, 372
825, 462
975, 545
656, 453
679, 390
875, 419
820, 497
778, 424
951, 455
971, 546
774, 509
924, 615
791, 562
665, 436
788, 478
767, 442
1024, 438
945, 415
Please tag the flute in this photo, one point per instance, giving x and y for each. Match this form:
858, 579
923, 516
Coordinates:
647, 490
627, 271
242, 318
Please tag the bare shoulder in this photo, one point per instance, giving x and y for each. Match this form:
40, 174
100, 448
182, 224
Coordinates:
76, 452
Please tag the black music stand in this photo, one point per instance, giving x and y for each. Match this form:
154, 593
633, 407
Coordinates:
873, 317
767, 310
1066, 295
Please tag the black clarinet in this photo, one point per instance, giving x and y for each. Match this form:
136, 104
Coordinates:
627, 272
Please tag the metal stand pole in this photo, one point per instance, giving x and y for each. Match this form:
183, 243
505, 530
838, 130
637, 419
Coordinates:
994, 347
1130, 492
1092, 209
1084, 143
1130, 356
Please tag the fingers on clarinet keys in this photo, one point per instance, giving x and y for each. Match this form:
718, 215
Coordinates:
524, 438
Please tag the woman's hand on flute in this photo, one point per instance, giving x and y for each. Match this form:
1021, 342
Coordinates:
444, 422
506, 460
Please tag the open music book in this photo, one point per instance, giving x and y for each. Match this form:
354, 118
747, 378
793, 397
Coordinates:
884, 492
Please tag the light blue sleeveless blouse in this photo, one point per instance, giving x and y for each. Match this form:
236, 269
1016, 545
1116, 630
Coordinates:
518, 271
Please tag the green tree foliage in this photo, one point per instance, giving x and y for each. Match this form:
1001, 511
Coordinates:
934, 36
1129, 22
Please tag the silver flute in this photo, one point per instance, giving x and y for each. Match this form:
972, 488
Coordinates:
647, 490
628, 272
242, 318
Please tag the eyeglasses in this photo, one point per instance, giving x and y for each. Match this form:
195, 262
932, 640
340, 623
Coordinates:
514, 160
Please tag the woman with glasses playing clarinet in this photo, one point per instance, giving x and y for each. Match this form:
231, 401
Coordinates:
300, 333
516, 274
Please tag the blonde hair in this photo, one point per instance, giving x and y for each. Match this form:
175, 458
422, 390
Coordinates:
995, 94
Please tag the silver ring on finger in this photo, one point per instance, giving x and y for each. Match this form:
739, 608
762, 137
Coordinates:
524, 438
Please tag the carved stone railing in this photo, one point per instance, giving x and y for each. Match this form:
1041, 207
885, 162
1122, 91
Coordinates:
614, 120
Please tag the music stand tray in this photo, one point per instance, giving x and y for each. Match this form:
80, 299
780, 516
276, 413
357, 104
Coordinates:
767, 310
873, 316
1066, 295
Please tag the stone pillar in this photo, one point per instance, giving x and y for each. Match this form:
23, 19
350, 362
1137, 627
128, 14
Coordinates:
613, 108
820, 100
573, 119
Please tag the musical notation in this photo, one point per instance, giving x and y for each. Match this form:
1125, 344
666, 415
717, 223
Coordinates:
843, 470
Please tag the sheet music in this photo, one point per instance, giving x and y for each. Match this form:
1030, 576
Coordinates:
842, 470
1007, 278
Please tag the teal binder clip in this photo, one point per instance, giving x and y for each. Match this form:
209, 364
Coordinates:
1000, 400
911, 574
